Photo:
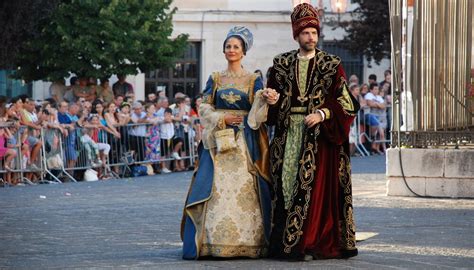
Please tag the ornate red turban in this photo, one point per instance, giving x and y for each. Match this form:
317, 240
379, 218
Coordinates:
304, 16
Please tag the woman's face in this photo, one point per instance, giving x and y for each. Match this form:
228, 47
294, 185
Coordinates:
198, 102
356, 91
126, 110
364, 89
112, 108
19, 105
99, 108
151, 109
233, 50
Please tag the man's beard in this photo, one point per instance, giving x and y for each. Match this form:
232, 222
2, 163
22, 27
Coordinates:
308, 47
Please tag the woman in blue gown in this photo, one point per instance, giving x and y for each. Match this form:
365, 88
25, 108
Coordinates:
227, 210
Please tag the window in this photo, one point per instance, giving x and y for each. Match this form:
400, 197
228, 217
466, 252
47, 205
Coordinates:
352, 63
12, 88
183, 76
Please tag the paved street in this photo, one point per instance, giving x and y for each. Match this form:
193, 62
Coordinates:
134, 224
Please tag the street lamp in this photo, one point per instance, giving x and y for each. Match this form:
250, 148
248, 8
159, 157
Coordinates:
297, 2
338, 6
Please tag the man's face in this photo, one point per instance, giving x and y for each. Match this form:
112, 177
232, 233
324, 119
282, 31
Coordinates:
30, 105
308, 38
151, 97
74, 109
63, 107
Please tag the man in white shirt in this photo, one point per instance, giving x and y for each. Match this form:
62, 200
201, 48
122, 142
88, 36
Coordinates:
138, 131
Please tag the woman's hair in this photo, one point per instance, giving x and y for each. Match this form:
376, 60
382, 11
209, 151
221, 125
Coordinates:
94, 105
148, 105
242, 43
193, 102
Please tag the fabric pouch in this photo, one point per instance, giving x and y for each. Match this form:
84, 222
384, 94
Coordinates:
225, 140
54, 162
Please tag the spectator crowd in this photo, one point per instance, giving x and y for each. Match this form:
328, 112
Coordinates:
90, 126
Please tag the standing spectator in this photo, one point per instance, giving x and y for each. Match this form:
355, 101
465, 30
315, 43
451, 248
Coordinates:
153, 133
377, 108
84, 90
7, 154
118, 100
195, 118
163, 104
104, 91
353, 79
169, 143
138, 131
372, 79
151, 98
364, 89
69, 95
30, 119
57, 90
67, 122
122, 87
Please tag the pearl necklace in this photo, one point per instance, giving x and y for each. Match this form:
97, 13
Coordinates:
231, 74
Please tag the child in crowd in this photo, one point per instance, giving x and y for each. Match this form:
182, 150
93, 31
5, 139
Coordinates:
170, 145
92, 148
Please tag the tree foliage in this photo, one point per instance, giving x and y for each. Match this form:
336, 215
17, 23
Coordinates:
21, 21
97, 38
369, 32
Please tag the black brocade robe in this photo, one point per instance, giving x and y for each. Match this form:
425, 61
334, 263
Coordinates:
319, 221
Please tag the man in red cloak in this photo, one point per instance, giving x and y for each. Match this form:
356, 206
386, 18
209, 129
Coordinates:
309, 155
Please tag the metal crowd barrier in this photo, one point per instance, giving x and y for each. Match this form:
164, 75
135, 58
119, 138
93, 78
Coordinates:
363, 135
65, 158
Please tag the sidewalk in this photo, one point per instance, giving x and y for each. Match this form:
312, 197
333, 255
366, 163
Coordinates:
134, 224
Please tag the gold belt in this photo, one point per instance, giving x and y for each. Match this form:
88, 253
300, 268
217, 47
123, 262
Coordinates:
235, 112
298, 109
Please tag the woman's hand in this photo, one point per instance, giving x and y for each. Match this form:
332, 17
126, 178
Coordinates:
233, 120
270, 95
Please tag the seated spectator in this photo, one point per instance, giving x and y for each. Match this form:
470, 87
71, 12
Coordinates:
95, 126
92, 148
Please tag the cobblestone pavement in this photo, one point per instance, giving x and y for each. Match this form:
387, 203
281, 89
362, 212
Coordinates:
134, 224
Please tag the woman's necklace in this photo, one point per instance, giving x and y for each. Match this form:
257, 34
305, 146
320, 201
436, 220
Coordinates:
232, 74
303, 91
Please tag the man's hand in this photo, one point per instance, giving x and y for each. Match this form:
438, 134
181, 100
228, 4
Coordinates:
313, 119
270, 95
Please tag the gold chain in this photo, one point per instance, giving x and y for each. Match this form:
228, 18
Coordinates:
302, 95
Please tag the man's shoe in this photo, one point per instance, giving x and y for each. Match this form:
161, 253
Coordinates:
165, 170
175, 156
308, 258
